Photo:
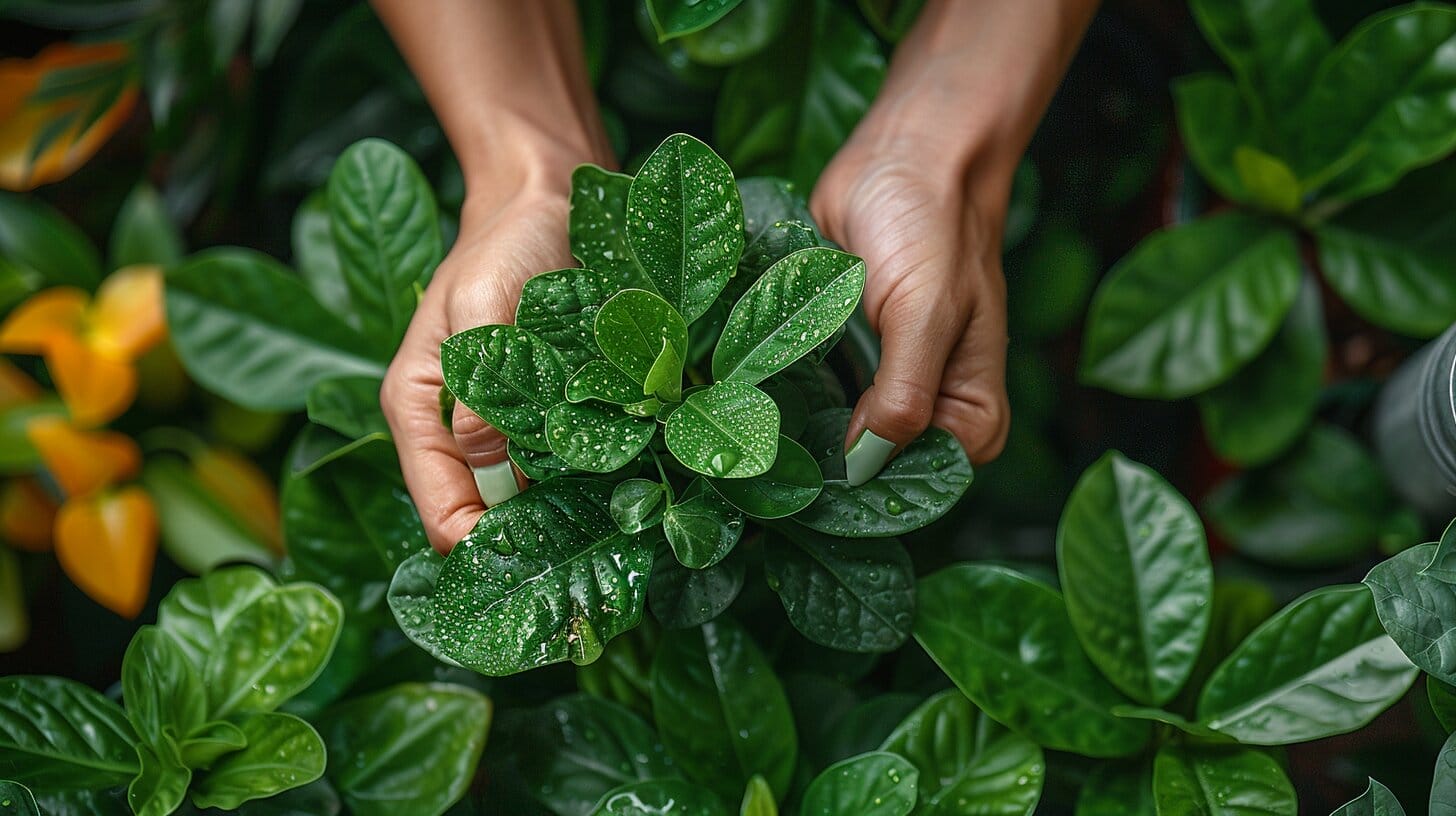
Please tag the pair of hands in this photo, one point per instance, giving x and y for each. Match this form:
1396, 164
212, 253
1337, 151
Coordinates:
934, 291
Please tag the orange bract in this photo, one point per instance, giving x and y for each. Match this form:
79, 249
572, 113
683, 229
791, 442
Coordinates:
27, 514
95, 388
83, 462
37, 324
15, 387
127, 317
106, 544
243, 489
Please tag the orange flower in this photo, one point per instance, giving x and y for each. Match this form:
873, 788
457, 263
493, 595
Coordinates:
243, 489
83, 462
27, 515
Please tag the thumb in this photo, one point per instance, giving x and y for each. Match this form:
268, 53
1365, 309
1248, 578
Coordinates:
484, 450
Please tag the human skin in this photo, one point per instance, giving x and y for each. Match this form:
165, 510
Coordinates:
919, 191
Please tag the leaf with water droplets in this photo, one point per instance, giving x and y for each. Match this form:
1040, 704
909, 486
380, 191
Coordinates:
633, 329
1216, 781
677, 18
729, 430
596, 438
282, 753
544, 577
681, 597
851, 595
508, 376
561, 307
637, 504
602, 381
412, 600
788, 487
685, 223
573, 750
598, 227
272, 649
660, 797
873, 784
798, 303
701, 526
917, 487
538, 465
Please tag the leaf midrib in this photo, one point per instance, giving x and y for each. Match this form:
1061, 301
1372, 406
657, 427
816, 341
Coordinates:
818, 296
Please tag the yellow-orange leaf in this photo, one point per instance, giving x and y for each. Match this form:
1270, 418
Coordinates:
243, 489
59, 107
82, 462
106, 543
95, 387
16, 387
27, 515
127, 317
45, 317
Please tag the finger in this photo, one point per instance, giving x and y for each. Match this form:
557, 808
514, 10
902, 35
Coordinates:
972, 403
484, 450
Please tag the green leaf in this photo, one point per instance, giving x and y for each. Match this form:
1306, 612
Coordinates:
1418, 611
272, 649
317, 260
786, 488
1443, 563
210, 741
1211, 781
543, 577
1215, 120
537, 465
1118, 789
1005, 641
561, 308
676, 18
1321, 666
387, 234
917, 487
349, 405
1273, 50
741, 33
1271, 184
659, 797
622, 675
1442, 697
198, 610
1177, 721
86, 742
283, 752
1390, 257
776, 223
1265, 408
723, 713
508, 376
598, 232
573, 750
161, 784
39, 241
144, 232
1371, 127
199, 531
1189, 306
1050, 281
638, 504
1443, 787
874, 784
786, 111
664, 378
596, 438
411, 748
730, 430
165, 699
685, 223
1136, 575
851, 595
701, 526
797, 304
632, 330
412, 600
248, 330
681, 597
16, 799
758, 798
1324, 503
1377, 800
967, 763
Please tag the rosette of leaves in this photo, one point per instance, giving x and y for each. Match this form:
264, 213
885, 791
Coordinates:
663, 395
1335, 146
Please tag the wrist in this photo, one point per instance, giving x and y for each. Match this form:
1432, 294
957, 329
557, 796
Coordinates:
515, 160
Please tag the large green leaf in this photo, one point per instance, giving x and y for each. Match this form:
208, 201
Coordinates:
681, 597
1005, 641
851, 595
1135, 571
198, 610
508, 376
730, 430
917, 487
1119, 789
543, 577
1418, 611
873, 784
272, 649
634, 327
786, 488
796, 305
283, 752
1390, 257
575, 749
1263, 410
143, 232
1377, 800
57, 735
967, 763
1213, 781
46, 248
685, 223
561, 308
410, 748
1370, 127
660, 797
246, 328
1321, 666
786, 111
1189, 306
598, 233
1273, 48
723, 714
18, 801
596, 438
165, 699
701, 526
677, 18
317, 260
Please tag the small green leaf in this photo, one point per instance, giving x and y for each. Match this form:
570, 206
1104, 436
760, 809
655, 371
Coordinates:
1214, 781
681, 597
283, 752
561, 308
1377, 800
730, 430
596, 438
1443, 563
144, 232
1270, 182
508, 376
632, 330
1178, 721
537, 465
87, 746
786, 488
676, 18
701, 526
412, 600
741, 33
664, 378
210, 741
160, 786
851, 595
598, 231
272, 649
1419, 611
638, 504
198, 610
623, 750
659, 797
874, 784
165, 699
758, 798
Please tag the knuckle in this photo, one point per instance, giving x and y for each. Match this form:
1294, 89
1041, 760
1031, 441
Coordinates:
475, 436
905, 409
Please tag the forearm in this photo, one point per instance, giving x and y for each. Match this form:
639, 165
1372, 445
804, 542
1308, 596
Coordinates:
509, 84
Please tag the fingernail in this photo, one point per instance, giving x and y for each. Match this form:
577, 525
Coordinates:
866, 457
496, 483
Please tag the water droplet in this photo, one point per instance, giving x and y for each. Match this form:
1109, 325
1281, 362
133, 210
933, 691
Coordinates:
722, 462
894, 506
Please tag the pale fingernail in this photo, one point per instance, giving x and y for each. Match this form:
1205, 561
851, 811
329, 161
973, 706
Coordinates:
866, 457
496, 483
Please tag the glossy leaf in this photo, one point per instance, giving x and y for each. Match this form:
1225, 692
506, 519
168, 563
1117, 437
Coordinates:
198, 610
917, 487
316, 258
1377, 800
1136, 575
161, 784
685, 223
283, 752
776, 223
701, 526
598, 233
730, 430
596, 438
633, 327
508, 376
1442, 698
543, 577
143, 232
637, 504
967, 763
18, 801
660, 797
575, 749
681, 597
272, 649
248, 330
86, 742
741, 33
439, 728
210, 741
1190, 306
561, 308
603, 381
796, 305
1417, 610
1443, 786
786, 488
675, 18
758, 798
165, 699
1005, 641
1321, 666
1273, 50
412, 600
723, 714
1210, 781
851, 595
349, 405
875, 784
1443, 563
537, 465
1119, 789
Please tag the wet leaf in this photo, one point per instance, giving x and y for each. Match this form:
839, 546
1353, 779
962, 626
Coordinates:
1417, 610
596, 438
89, 743
575, 749
681, 597
561, 308
874, 784
789, 486
282, 752
638, 504
660, 797
272, 649
508, 376
701, 527
851, 595
1212, 781
730, 430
